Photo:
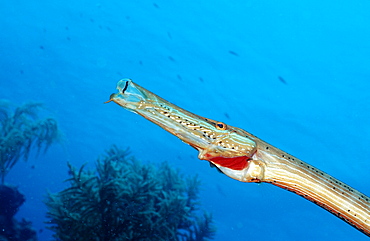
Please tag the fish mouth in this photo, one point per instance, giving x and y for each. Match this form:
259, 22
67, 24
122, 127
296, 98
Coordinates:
129, 95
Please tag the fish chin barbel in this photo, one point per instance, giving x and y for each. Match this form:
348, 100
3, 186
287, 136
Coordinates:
246, 158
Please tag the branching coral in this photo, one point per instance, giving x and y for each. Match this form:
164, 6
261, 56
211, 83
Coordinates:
20, 131
127, 200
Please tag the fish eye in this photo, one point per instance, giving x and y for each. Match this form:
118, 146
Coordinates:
221, 126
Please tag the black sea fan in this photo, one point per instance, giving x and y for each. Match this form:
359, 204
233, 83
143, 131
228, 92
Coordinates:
127, 200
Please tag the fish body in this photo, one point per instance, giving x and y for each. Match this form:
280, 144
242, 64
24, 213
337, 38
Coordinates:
244, 157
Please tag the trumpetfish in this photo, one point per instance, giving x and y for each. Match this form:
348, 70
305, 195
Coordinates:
246, 158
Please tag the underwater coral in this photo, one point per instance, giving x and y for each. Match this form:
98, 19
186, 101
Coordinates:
21, 131
124, 199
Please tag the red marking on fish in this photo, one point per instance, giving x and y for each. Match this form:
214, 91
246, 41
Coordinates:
235, 163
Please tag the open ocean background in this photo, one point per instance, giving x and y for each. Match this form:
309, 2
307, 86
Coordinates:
294, 73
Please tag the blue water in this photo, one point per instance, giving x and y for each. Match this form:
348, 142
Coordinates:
219, 59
